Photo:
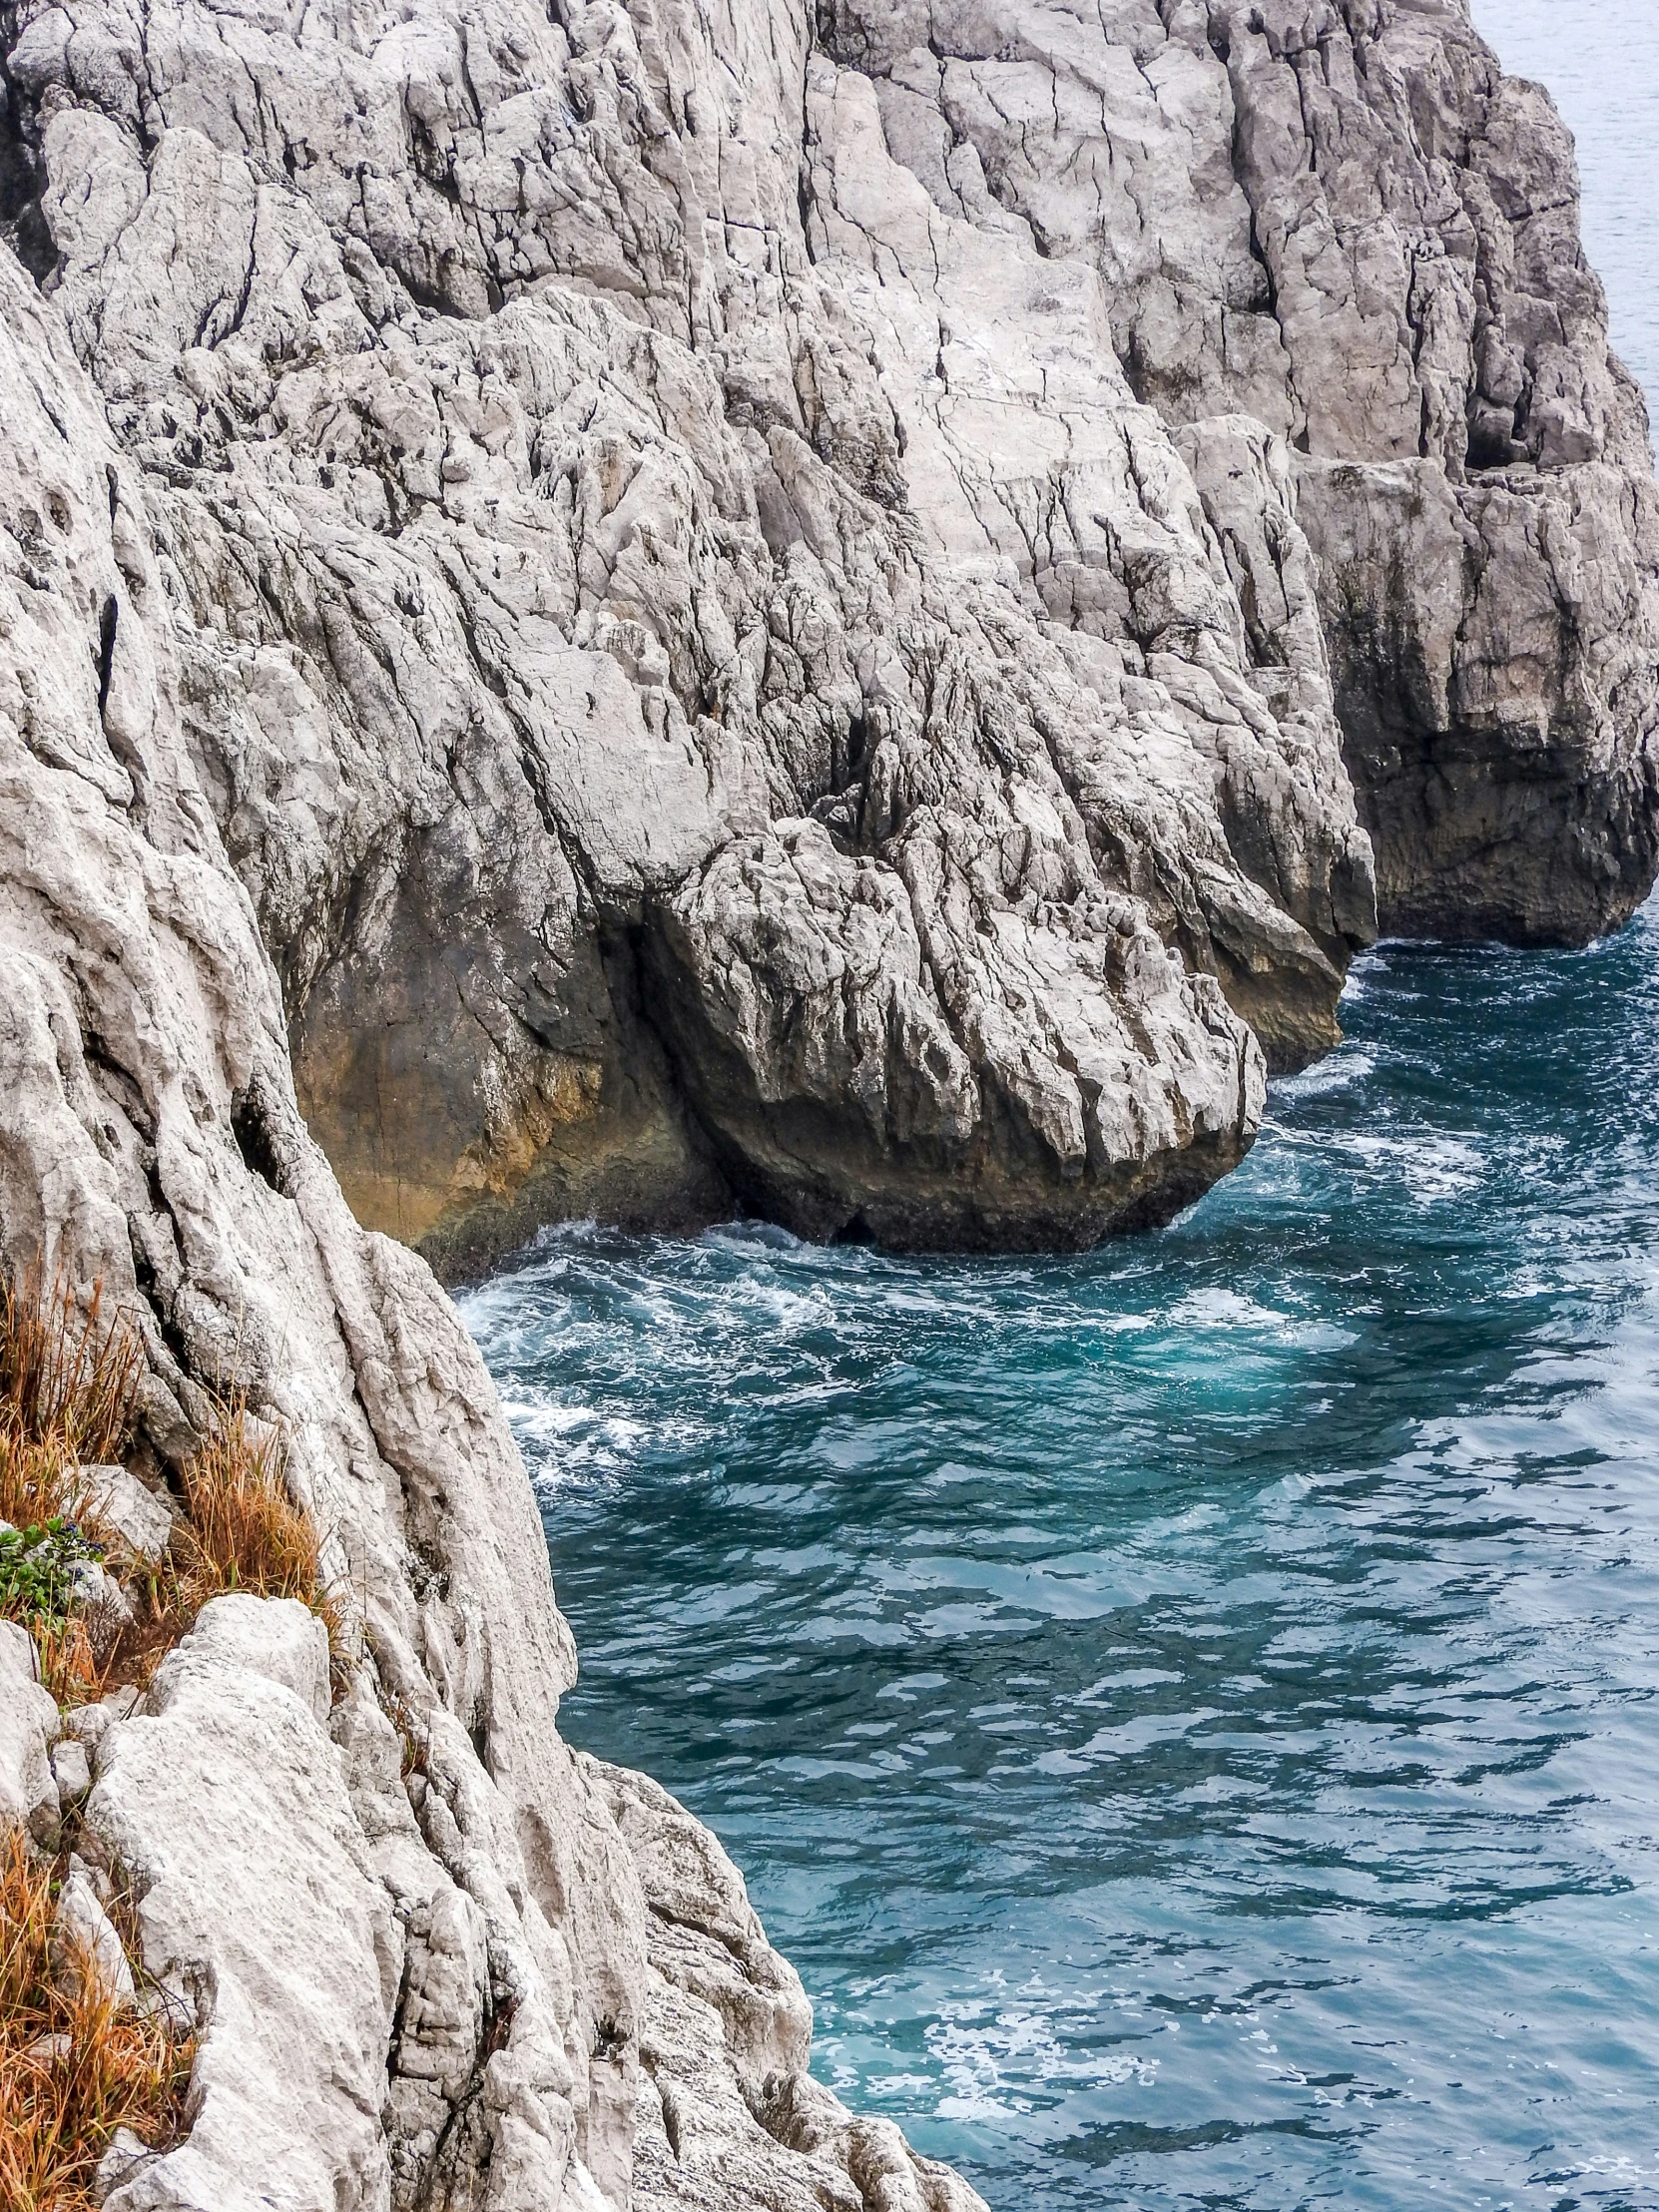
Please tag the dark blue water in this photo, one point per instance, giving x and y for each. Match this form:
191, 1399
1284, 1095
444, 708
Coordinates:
1189, 1712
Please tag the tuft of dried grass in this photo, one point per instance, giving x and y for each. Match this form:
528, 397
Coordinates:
69, 1383
245, 1533
68, 1390
84, 1671
70, 1664
72, 2068
413, 1734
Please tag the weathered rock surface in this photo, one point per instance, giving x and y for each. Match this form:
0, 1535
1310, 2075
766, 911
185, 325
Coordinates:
86, 1951
1340, 217
729, 2118
227, 1807
612, 608
743, 589
403, 1918
540, 524
28, 1722
134, 1517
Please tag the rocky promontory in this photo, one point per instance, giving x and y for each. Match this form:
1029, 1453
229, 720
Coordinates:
846, 615
629, 610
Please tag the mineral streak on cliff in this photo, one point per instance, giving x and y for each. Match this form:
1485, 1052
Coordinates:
620, 608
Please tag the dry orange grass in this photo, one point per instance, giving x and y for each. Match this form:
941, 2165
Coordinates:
245, 1533
68, 1390
70, 1664
68, 1386
72, 2068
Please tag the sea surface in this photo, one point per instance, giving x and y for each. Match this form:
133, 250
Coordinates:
1192, 1713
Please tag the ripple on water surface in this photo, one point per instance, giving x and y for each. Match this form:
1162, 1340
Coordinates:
1189, 1711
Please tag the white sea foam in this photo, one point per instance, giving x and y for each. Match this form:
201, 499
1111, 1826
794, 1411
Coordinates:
1433, 1167
1214, 1307
1017, 2057
564, 1442
1336, 1073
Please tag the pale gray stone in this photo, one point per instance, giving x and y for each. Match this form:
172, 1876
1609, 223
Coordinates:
706, 1936
276, 1638
127, 2154
228, 1814
121, 1503
86, 1947
28, 1723
71, 1769
721, 692
1345, 223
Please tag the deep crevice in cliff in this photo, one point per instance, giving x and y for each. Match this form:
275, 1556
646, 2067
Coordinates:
22, 182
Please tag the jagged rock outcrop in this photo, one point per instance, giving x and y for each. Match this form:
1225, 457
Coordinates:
542, 525
414, 1935
744, 588
625, 608
1340, 217
728, 2113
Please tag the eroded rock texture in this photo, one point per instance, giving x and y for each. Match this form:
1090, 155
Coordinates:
611, 609
743, 587
1342, 219
691, 716
438, 1963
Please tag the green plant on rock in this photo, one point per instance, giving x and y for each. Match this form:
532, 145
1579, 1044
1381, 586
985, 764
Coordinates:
41, 1573
69, 1391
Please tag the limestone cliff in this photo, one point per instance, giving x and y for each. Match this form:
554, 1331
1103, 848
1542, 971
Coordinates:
437, 1960
620, 609
745, 589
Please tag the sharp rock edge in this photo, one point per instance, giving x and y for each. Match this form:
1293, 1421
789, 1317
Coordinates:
610, 609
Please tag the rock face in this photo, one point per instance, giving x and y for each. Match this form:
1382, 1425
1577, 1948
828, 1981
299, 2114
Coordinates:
744, 593
1342, 219
416, 1935
728, 2114
615, 609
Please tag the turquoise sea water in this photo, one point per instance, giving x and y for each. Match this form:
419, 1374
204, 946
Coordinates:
1192, 1713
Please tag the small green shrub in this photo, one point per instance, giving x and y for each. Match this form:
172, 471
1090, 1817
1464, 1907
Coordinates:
38, 1578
